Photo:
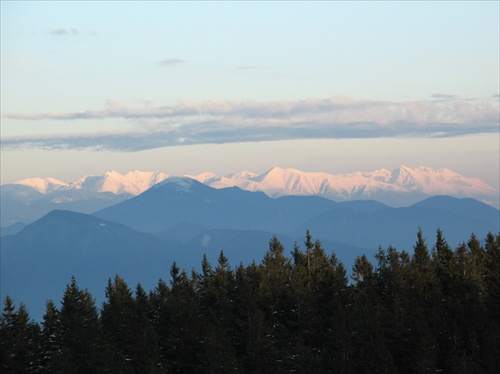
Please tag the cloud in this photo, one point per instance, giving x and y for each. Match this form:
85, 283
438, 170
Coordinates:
171, 62
58, 31
201, 122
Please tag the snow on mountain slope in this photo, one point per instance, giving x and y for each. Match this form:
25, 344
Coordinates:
42, 185
437, 182
243, 175
407, 184
133, 183
276, 182
362, 185
203, 177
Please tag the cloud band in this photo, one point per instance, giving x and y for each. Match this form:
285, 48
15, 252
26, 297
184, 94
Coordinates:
247, 121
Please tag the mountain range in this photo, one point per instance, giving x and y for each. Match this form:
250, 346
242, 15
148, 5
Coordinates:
179, 219
400, 187
183, 200
29, 199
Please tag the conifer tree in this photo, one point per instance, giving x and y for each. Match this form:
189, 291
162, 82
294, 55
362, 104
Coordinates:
80, 332
299, 257
362, 271
392, 273
146, 352
219, 324
468, 313
8, 326
492, 278
444, 261
446, 314
279, 306
309, 247
117, 319
330, 334
50, 338
179, 334
18, 339
370, 353
157, 314
421, 304
491, 354
249, 318
302, 322
421, 260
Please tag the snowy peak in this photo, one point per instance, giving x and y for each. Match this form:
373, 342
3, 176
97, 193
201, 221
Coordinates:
407, 177
136, 182
42, 185
438, 181
243, 175
293, 181
133, 183
203, 177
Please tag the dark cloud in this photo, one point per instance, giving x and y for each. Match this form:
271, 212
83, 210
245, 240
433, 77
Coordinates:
248, 121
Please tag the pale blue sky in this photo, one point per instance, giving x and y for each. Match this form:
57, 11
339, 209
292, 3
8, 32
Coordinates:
186, 87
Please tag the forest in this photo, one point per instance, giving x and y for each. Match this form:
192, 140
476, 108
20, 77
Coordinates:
436, 309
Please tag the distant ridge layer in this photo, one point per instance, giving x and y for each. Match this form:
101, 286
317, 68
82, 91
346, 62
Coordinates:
29, 199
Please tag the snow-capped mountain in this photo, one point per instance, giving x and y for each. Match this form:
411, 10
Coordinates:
282, 182
42, 185
402, 186
133, 183
29, 199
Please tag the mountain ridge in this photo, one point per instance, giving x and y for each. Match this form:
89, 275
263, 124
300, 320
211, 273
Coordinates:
403, 186
291, 181
179, 200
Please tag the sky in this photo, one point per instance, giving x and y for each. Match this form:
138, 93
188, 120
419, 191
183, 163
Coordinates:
191, 87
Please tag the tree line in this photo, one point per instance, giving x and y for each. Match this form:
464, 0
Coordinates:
434, 310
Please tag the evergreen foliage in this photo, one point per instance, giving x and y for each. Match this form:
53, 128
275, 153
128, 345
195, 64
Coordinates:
430, 311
